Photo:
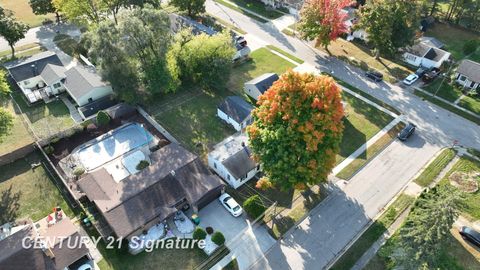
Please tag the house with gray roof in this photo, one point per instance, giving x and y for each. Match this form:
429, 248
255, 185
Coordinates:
235, 111
232, 160
468, 74
85, 85
256, 87
424, 55
431, 41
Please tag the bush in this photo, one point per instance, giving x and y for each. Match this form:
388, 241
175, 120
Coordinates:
48, 149
218, 238
103, 118
254, 206
209, 230
470, 46
78, 171
199, 233
142, 165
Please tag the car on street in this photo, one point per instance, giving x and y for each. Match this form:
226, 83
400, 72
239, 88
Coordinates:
410, 79
230, 204
374, 75
406, 132
470, 235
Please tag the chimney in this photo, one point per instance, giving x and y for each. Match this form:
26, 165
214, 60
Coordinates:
245, 148
49, 253
34, 69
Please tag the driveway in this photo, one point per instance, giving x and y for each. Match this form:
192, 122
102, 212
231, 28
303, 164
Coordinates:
246, 242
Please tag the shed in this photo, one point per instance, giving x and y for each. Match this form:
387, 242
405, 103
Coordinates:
235, 111
256, 87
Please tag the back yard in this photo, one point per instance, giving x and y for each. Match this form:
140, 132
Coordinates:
454, 39
23, 12
28, 192
18, 136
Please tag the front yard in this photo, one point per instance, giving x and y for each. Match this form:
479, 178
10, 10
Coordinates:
28, 192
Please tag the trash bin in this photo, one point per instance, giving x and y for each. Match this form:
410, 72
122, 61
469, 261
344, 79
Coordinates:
196, 219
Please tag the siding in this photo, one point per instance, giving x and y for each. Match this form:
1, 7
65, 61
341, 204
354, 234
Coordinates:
94, 94
226, 118
218, 167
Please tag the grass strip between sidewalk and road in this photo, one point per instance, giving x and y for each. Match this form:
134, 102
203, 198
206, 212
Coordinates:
286, 54
236, 8
447, 106
435, 167
229, 25
373, 233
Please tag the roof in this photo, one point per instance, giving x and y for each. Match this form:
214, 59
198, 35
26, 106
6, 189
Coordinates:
419, 49
97, 105
79, 81
470, 69
431, 41
21, 70
240, 163
263, 82
151, 193
52, 73
428, 52
236, 108
435, 54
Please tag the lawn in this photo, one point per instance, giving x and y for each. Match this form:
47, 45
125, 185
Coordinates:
443, 90
259, 8
471, 103
46, 119
66, 43
286, 54
262, 61
24, 13
454, 38
236, 8
27, 192
435, 167
18, 135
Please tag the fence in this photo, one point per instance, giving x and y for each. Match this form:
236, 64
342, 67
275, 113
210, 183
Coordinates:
156, 125
16, 154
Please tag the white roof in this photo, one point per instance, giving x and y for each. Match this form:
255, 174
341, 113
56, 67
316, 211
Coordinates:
229, 146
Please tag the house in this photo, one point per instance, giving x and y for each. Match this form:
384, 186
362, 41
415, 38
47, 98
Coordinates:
431, 41
232, 160
423, 55
468, 74
235, 111
44, 245
85, 85
256, 87
131, 205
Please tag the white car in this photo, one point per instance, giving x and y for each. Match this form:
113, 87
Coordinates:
410, 79
230, 204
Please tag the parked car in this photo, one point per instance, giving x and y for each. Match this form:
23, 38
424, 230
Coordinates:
431, 74
374, 75
240, 40
406, 132
470, 235
421, 71
230, 204
410, 79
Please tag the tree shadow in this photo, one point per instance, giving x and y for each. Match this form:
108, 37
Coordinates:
352, 139
9, 205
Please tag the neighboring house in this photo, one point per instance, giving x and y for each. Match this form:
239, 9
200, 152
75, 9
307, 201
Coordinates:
232, 160
58, 250
426, 56
256, 87
174, 179
235, 111
350, 20
468, 74
432, 42
85, 85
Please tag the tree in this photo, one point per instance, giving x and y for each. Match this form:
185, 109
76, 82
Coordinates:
218, 238
4, 86
427, 226
6, 122
83, 11
192, 7
103, 118
11, 29
254, 206
390, 24
42, 7
470, 46
114, 7
323, 20
297, 129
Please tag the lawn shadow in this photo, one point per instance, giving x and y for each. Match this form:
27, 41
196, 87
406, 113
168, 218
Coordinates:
9, 205
352, 139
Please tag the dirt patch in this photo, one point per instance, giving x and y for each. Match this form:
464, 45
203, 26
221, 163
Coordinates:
466, 182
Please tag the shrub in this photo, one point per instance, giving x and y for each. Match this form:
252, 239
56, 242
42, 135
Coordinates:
218, 238
103, 118
264, 183
254, 206
470, 46
142, 165
48, 149
209, 230
199, 233
78, 171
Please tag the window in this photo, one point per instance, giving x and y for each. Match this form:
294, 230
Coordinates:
215, 165
90, 100
472, 84
462, 78
57, 85
258, 167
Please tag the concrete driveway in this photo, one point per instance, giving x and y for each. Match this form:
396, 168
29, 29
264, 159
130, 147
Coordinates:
246, 241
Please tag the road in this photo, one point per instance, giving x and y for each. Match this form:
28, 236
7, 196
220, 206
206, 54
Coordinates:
343, 215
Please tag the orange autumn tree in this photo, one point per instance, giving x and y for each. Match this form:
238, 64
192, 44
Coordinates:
297, 129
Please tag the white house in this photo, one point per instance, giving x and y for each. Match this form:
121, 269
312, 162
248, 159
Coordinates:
232, 161
235, 111
468, 74
256, 87
85, 85
426, 56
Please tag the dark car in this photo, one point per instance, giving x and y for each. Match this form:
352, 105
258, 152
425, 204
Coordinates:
374, 75
406, 132
421, 71
470, 235
431, 74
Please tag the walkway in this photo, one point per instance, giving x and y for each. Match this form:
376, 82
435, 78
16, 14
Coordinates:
73, 110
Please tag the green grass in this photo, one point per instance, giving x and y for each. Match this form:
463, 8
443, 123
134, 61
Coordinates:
224, 3
46, 119
66, 43
445, 90
21, 52
259, 8
288, 32
28, 192
19, 49
286, 54
262, 61
18, 135
471, 103
24, 13
435, 167
372, 234
454, 38
448, 107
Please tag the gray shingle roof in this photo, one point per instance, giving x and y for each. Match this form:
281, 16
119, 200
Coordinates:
240, 163
264, 81
79, 81
435, 54
52, 73
419, 49
22, 69
470, 69
432, 42
236, 108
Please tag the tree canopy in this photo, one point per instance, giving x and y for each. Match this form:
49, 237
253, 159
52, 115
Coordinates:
297, 129
192, 7
11, 29
41, 7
